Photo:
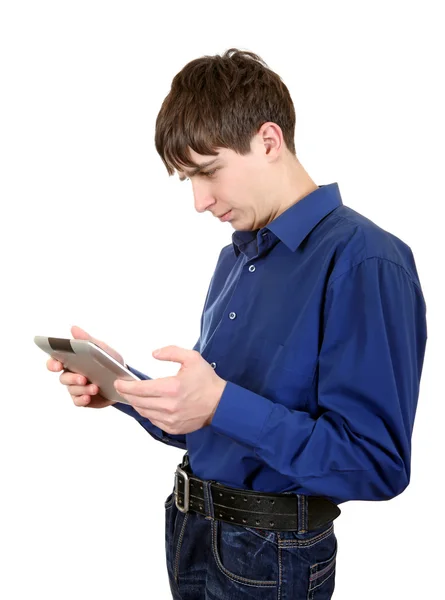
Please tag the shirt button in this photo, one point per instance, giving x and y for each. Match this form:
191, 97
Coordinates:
232, 315
213, 365
252, 268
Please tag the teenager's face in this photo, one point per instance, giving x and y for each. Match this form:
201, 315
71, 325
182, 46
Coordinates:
235, 183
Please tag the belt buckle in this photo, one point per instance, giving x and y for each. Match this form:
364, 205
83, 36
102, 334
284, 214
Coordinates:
185, 476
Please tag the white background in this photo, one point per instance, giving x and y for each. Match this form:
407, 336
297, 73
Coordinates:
94, 233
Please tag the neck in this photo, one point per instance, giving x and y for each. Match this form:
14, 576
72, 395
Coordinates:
295, 185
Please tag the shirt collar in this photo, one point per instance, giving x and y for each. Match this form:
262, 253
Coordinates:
294, 224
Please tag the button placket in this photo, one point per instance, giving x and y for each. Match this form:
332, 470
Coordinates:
233, 315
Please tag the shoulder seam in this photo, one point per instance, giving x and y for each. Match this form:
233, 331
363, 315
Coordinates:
377, 258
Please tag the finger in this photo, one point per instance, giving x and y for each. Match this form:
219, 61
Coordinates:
157, 417
53, 365
156, 388
69, 378
83, 400
81, 390
80, 334
146, 403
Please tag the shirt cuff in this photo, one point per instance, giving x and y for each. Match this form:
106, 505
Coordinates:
241, 415
138, 373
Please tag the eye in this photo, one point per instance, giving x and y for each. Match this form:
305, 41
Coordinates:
208, 173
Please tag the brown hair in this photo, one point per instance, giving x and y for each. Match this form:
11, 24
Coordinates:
221, 102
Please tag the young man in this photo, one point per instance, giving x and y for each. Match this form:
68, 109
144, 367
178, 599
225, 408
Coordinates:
302, 389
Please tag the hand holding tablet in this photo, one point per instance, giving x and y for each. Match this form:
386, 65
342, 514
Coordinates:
90, 366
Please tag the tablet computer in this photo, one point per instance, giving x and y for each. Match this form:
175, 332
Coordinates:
86, 358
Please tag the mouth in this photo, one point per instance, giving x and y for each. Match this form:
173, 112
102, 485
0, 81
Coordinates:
225, 216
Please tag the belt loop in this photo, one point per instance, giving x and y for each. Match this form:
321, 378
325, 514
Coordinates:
302, 524
185, 460
208, 500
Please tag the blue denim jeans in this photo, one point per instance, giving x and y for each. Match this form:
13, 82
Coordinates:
209, 559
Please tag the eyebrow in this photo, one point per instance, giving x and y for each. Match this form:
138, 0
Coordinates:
198, 169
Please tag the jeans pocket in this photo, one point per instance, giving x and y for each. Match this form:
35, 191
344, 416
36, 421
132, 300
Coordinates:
243, 556
322, 572
309, 537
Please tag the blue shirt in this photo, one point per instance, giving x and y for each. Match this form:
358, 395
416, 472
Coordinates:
317, 321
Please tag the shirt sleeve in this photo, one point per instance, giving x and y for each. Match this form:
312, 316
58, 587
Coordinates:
177, 440
368, 375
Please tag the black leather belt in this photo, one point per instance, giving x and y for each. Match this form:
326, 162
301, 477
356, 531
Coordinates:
260, 510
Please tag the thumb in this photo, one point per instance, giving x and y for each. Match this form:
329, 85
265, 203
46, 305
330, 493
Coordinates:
80, 334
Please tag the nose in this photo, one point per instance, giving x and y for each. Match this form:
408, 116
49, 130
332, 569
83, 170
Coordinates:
202, 197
